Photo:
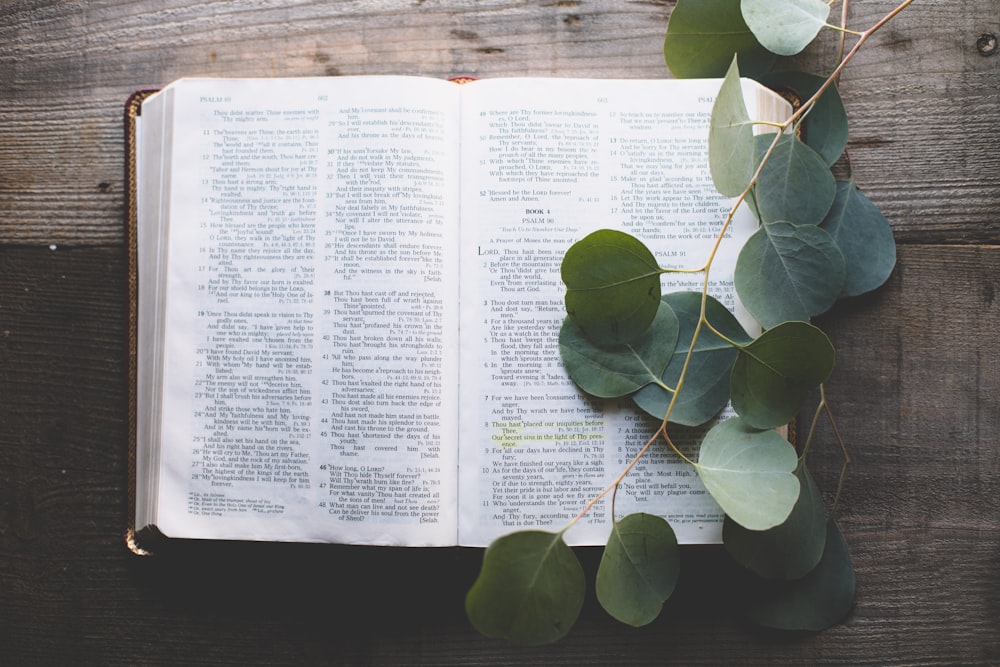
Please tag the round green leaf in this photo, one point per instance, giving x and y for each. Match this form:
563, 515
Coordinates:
706, 387
795, 185
639, 569
750, 473
825, 127
704, 35
731, 158
610, 372
787, 551
864, 237
530, 589
774, 374
612, 286
788, 272
815, 602
785, 27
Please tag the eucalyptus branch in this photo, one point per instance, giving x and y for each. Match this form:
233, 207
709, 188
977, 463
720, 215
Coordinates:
770, 377
702, 320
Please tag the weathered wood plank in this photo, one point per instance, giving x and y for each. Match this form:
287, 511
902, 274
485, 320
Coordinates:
923, 150
915, 394
924, 103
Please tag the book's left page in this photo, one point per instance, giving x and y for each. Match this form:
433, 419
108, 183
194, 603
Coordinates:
309, 311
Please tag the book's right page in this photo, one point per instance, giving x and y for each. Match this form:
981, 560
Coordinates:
545, 162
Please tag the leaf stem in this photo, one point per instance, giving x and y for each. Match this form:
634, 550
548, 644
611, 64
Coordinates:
843, 30
843, 35
843, 450
722, 336
812, 425
663, 385
821, 408
698, 270
769, 123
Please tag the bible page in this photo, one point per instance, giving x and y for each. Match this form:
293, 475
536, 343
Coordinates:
310, 384
545, 162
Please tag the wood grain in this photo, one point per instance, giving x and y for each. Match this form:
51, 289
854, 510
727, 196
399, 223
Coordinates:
923, 101
916, 392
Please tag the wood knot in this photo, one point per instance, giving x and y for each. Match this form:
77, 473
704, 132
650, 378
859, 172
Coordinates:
987, 44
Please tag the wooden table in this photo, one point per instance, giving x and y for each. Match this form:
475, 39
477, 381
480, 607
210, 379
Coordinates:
916, 390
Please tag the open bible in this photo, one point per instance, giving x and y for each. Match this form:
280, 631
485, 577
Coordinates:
347, 303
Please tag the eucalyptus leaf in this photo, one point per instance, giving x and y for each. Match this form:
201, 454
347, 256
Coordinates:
610, 372
788, 272
612, 286
750, 473
706, 386
815, 602
731, 158
774, 374
530, 589
825, 126
795, 184
785, 27
639, 569
864, 237
789, 550
704, 35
